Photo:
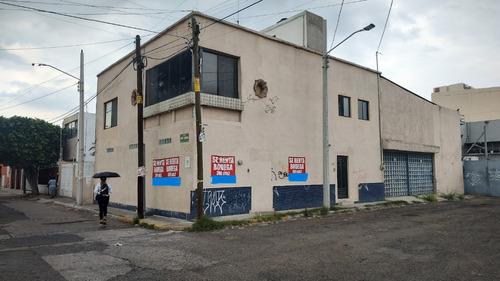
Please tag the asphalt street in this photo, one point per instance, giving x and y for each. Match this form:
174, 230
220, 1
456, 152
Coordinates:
451, 240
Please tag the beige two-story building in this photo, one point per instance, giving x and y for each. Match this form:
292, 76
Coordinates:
261, 108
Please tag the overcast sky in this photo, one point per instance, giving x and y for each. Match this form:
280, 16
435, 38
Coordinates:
426, 44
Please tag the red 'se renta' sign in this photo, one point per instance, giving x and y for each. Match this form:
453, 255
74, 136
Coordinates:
296, 165
223, 165
166, 167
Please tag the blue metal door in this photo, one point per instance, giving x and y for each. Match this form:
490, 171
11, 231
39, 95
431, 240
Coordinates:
408, 173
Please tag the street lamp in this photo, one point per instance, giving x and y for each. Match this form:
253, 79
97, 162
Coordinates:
326, 144
81, 133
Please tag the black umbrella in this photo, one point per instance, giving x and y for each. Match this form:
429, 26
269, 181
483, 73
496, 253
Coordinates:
106, 175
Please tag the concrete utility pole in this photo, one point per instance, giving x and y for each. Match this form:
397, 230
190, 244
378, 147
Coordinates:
81, 137
199, 147
140, 133
81, 128
326, 133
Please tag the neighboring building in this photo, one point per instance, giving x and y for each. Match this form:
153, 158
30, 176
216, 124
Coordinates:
480, 133
68, 166
262, 126
305, 29
473, 104
7, 176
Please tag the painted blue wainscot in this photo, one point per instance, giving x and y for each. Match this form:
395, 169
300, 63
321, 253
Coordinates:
371, 192
291, 197
223, 201
297, 177
166, 181
158, 212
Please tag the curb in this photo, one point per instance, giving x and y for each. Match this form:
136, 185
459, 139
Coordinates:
155, 225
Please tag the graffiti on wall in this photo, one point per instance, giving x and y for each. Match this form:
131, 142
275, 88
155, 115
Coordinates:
224, 201
279, 171
473, 178
269, 103
494, 175
213, 201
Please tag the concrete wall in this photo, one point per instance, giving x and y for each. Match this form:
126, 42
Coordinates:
411, 123
305, 29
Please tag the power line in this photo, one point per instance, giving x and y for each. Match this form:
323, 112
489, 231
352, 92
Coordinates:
104, 7
72, 111
169, 43
38, 97
62, 46
385, 26
169, 14
77, 17
337, 26
232, 14
293, 10
170, 56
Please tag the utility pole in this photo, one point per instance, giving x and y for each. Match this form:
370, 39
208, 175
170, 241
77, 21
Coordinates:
199, 147
140, 136
81, 128
81, 137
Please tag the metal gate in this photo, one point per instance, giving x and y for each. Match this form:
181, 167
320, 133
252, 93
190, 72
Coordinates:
342, 183
66, 184
482, 177
408, 173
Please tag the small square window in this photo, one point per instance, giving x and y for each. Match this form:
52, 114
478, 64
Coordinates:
344, 106
363, 110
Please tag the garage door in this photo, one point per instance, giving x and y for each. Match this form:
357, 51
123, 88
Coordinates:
408, 173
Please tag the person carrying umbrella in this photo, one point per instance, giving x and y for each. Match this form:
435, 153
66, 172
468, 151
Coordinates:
102, 191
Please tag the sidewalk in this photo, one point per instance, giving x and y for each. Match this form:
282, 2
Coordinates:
167, 223
159, 222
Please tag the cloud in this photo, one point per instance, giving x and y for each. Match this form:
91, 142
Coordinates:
426, 44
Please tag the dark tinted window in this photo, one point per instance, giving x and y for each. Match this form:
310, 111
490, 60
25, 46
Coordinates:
169, 79
363, 110
111, 113
219, 75
344, 106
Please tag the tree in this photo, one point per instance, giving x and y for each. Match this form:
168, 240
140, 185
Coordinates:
29, 144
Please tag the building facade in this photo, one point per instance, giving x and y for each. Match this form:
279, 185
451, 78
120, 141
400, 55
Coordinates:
68, 165
473, 104
480, 129
261, 101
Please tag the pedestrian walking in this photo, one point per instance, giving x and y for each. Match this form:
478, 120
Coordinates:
102, 191
52, 186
